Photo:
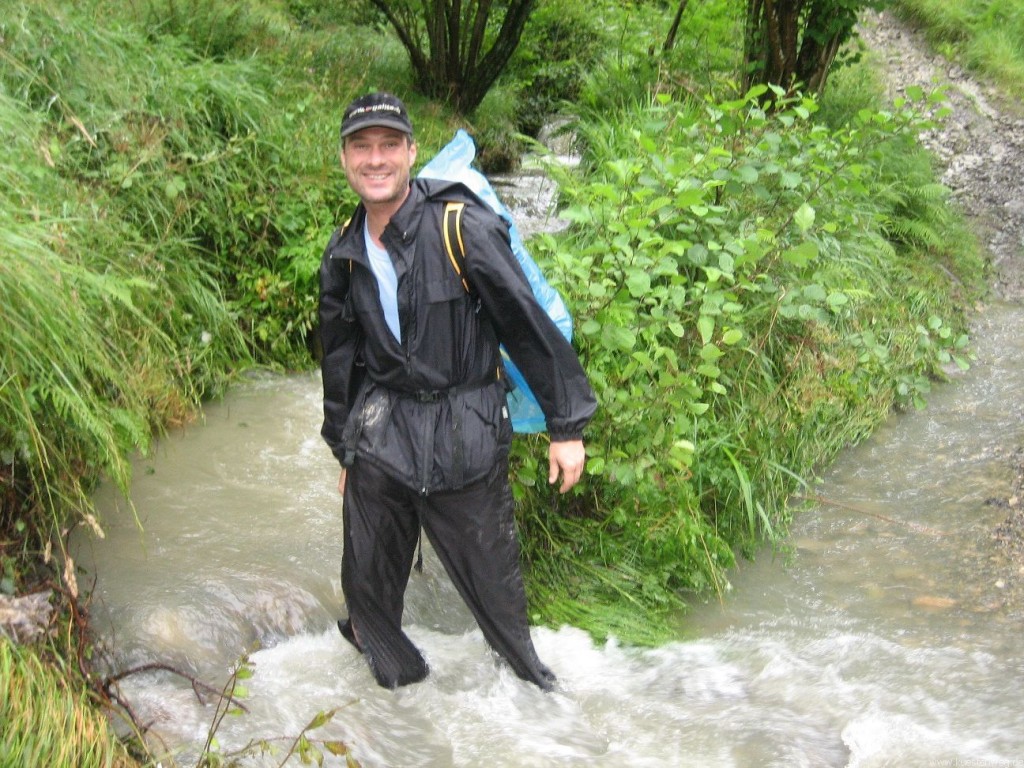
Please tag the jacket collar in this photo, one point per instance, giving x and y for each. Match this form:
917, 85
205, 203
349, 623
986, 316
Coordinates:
401, 230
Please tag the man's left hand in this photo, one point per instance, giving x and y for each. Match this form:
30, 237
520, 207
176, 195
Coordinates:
566, 457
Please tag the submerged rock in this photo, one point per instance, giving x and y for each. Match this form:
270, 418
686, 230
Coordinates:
25, 619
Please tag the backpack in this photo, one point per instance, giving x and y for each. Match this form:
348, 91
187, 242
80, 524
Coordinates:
454, 163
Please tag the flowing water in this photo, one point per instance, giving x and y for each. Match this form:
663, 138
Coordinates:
884, 637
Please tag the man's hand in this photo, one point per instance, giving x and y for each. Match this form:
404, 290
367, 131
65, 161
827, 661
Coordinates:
341, 481
568, 458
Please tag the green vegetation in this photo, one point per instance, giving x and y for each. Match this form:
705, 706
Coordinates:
46, 720
752, 290
985, 35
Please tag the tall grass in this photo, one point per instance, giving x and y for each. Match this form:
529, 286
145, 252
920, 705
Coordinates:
150, 178
114, 319
46, 721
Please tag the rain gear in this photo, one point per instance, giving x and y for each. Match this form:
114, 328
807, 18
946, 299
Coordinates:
429, 408
423, 425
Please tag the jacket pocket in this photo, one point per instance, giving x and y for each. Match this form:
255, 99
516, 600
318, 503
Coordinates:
480, 432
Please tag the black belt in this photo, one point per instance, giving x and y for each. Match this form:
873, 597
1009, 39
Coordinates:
437, 395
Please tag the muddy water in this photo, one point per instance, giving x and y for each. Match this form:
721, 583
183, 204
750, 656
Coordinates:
884, 636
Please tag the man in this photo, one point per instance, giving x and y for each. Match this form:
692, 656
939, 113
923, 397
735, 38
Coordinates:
414, 397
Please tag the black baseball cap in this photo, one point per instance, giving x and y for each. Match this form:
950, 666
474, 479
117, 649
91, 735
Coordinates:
375, 110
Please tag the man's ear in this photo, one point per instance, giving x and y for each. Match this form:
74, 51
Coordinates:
413, 148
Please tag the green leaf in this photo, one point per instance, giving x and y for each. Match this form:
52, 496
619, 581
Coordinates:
814, 292
838, 299
174, 187
804, 217
689, 197
747, 174
616, 337
320, 719
336, 747
639, 283
706, 328
709, 353
657, 204
697, 254
802, 255
711, 371
790, 180
732, 336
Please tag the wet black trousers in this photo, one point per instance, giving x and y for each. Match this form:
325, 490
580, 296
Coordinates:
472, 530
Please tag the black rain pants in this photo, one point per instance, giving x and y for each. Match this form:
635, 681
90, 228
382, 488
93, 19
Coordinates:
472, 530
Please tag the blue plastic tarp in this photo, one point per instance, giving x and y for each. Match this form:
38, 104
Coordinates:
455, 163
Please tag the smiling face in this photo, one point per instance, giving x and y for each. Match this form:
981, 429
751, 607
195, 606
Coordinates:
377, 163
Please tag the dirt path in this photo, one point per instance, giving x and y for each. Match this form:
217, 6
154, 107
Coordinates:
981, 148
981, 145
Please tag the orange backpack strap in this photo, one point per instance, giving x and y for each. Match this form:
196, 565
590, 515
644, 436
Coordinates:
344, 228
452, 233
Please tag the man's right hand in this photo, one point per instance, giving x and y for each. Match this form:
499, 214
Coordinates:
341, 481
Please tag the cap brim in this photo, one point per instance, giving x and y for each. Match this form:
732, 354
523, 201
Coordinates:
377, 121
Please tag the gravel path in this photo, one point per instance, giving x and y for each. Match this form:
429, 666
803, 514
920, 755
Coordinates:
981, 149
980, 146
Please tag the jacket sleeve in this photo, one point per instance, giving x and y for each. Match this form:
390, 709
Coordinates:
341, 338
547, 361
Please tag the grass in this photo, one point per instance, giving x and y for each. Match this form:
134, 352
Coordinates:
985, 35
46, 721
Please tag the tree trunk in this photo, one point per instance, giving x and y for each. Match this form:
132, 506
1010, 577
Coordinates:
453, 55
670, 39
793, 43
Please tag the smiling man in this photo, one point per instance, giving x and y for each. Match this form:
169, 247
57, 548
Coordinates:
414, 396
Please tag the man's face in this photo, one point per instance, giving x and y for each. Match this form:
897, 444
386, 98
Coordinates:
377, 163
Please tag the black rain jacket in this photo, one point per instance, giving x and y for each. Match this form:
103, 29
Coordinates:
431, 409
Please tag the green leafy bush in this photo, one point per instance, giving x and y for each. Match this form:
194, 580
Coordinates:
746, 305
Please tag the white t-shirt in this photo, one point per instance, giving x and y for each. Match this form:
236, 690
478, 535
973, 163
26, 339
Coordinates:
387, 282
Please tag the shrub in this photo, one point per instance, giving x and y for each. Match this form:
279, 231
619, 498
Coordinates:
746, 304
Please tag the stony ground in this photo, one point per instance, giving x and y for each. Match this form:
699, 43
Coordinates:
981, 145
981, 148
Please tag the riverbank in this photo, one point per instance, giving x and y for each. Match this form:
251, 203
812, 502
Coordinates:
980, 146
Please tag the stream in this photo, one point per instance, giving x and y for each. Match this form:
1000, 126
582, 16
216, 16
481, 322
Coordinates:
881, 636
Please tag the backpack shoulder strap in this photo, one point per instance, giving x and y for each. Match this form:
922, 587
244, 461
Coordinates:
452, 234
342, 231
